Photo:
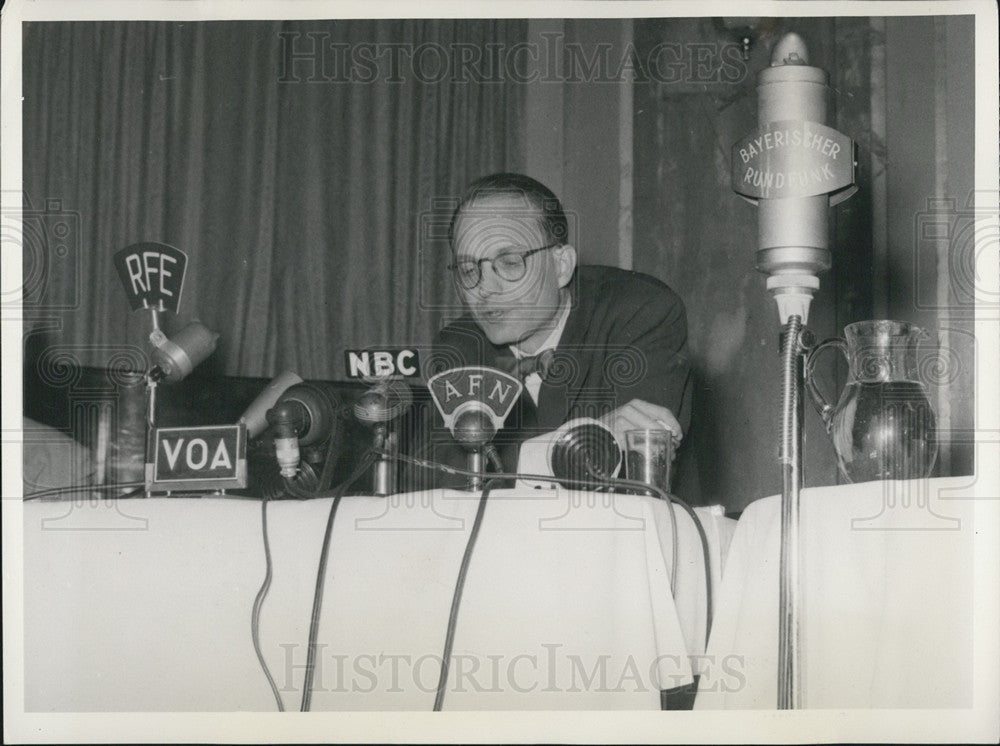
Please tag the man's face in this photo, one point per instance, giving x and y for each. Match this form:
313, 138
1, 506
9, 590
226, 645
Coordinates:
521, 312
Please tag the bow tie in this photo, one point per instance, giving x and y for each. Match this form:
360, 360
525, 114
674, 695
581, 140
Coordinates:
524, 367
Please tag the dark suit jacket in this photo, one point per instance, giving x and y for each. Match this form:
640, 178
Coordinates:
625, 338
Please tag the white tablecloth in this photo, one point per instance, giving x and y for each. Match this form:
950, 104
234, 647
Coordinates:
887, 600
145, 605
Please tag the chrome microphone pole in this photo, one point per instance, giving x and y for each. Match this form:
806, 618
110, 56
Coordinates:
377, 407
793, 167
151, 383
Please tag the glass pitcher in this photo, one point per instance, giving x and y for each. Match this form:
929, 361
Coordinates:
883, 426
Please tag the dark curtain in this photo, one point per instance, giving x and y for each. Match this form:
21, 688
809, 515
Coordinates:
309, 205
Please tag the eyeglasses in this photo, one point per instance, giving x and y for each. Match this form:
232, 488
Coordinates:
509, 266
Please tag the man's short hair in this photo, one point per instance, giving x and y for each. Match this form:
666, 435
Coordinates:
536, 196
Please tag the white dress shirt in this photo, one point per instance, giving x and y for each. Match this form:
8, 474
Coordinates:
534, 381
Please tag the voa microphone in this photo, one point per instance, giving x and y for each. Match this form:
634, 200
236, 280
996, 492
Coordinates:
305, 414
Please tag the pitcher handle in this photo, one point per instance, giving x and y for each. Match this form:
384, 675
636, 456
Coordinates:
824, 407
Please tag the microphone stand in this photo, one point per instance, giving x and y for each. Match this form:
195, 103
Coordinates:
383, 474
474, 431
790, 684
376, 408
474, 463
151, 384
793, 248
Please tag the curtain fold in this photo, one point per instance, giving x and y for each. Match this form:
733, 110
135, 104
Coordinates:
301, 198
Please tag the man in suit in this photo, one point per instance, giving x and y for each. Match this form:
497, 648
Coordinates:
587, 341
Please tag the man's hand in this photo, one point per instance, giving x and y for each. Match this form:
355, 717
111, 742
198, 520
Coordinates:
641, 415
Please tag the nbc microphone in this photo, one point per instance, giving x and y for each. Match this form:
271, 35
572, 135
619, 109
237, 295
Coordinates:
378, 406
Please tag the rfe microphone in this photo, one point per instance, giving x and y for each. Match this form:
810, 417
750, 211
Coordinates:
174, 359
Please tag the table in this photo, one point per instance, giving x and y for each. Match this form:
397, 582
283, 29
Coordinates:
145, 604
887, 600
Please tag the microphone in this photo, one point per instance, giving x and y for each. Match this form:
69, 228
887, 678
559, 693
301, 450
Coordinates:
174, 359
304, 414
473, 427
474, 403
255, 416
384, 402
580, 449
378, 406
585, 449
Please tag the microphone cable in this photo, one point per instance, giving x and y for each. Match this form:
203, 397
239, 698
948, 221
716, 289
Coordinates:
134, 487
337, 494
456, 599
642, 486
706, 554
674, 536
305, 483
326, 475
258, 602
